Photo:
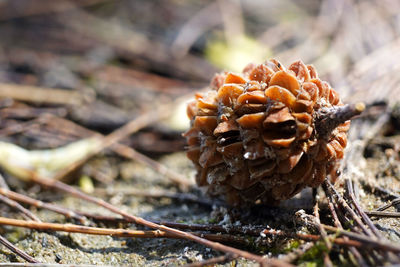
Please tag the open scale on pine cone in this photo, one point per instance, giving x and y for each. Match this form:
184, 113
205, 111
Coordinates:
265, 134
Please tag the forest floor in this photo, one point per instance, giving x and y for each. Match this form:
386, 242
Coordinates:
116, 63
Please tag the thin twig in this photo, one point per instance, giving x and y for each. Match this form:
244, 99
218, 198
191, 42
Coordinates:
16, 250
367, 220
18, 207
348, 209
40, 204
394, 202
353, 200
332, 207
73, 228
368, 242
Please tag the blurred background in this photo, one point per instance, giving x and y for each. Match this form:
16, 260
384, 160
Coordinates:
127, 54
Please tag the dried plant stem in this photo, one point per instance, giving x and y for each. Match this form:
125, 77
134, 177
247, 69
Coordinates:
138, 220
73, 228
332, 208
40, 204
348, 209
394, 202
367, 220
17, 206
372, 232
16, 250
367, 241
252, 231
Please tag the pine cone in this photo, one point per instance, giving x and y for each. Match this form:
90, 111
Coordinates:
264, 135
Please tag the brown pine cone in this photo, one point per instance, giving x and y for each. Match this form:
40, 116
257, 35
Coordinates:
264, 135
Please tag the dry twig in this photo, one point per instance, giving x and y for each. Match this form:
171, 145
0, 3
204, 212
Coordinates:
15, 205
16, 250
40, 204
